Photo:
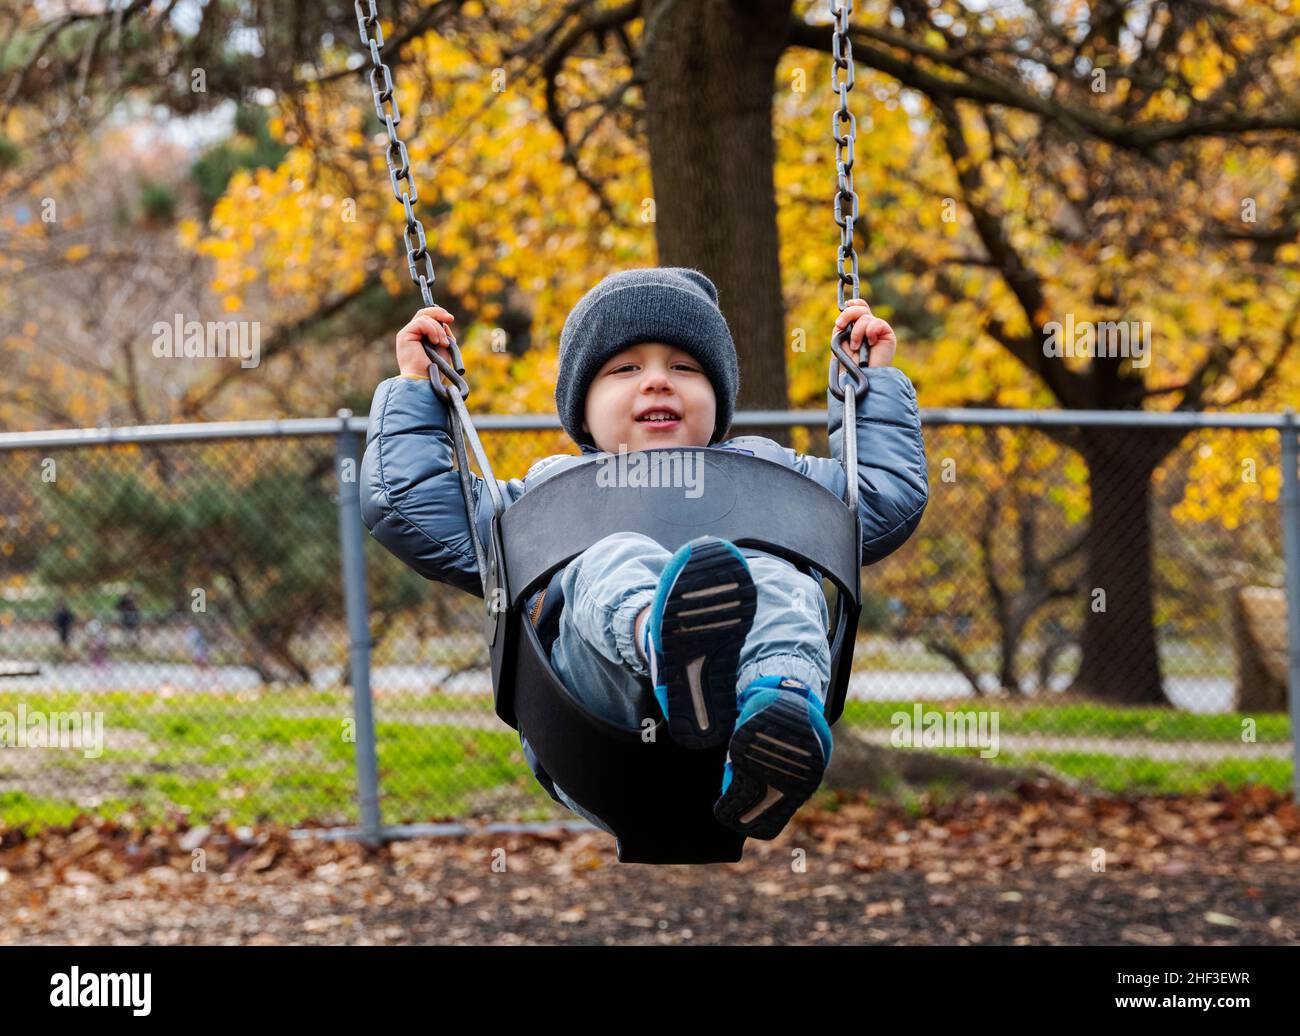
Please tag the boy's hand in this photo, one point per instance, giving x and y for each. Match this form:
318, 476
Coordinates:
879, 335
429, 323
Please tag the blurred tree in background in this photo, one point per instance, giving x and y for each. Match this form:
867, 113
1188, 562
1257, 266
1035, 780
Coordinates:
1124, 160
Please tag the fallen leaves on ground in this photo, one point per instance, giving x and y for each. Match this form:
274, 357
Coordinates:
1047, 865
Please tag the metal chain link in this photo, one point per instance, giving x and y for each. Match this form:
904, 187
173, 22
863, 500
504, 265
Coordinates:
842, 77
463, 434
842, 361
842, 61
399, 170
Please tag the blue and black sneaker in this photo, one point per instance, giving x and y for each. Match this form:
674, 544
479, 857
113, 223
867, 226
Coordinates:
776, 759
702, 612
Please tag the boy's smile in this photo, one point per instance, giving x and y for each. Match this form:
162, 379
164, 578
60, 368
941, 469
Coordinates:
650, 395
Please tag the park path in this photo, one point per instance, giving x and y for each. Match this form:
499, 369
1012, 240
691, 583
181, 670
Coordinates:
1197, 694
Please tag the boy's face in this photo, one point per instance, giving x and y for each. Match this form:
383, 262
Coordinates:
643, 378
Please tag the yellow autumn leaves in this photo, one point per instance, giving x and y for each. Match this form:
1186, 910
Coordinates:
503, 213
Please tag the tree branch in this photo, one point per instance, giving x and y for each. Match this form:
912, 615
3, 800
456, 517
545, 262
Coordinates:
552, 64
194, 402
987, 90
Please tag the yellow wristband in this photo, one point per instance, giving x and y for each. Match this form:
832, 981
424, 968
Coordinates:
417, 377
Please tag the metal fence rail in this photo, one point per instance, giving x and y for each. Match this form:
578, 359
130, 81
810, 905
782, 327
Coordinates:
205, 601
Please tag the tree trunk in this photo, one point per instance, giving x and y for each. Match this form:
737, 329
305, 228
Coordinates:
1120, 661
1011, 628
709, 69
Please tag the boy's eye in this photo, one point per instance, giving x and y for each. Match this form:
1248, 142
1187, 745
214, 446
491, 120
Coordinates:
680, 363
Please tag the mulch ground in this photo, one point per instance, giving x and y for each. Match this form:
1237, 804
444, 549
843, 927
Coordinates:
1047, 865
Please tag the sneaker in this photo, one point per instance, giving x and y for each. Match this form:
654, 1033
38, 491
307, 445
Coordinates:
776, 759
702, 612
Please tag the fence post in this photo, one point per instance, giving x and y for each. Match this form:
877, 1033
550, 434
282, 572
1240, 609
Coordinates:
1291, 554
352, 540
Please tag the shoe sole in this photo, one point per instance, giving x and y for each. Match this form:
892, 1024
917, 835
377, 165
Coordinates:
776, 765
707, 616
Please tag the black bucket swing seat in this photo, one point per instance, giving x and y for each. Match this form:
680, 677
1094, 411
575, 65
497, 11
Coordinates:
657, 796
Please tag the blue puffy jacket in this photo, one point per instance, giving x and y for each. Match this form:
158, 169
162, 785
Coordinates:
411, 498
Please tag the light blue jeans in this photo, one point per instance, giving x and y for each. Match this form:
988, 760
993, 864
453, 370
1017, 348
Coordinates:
606, 587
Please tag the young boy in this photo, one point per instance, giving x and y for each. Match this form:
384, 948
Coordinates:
727, 644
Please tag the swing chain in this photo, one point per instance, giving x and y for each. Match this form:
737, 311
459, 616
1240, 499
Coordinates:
841, 83
399, 168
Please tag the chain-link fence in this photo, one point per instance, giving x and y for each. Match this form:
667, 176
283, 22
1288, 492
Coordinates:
1102, 602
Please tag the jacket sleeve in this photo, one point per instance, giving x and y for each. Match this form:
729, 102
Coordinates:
893, 485
411, 499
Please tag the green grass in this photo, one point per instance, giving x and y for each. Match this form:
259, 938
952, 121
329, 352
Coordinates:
1138, 776
23, 811
1133, 775
282, 756
1115, 775
196, 711
246, 758
1089, 720
458, 773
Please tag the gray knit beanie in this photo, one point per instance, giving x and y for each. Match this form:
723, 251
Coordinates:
674, 305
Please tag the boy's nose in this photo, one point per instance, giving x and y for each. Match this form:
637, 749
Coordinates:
654, 377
